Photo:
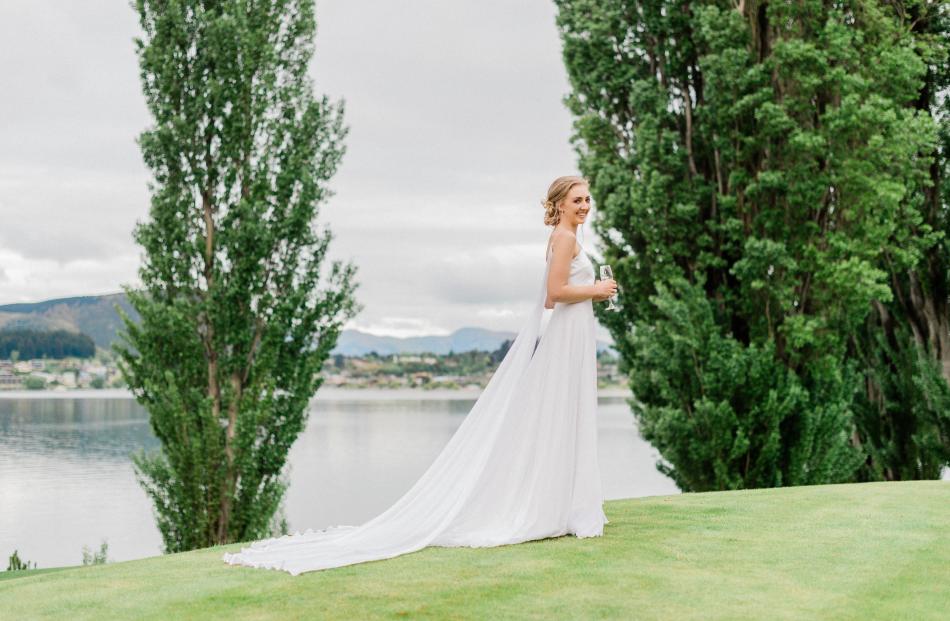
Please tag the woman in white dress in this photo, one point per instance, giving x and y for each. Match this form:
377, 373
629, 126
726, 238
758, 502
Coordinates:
523, 464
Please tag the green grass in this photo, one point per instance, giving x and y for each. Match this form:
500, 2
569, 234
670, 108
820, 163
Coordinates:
863, 551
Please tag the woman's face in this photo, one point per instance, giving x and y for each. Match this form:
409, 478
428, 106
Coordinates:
576, 205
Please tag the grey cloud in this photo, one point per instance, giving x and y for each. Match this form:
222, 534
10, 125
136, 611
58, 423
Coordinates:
456, 130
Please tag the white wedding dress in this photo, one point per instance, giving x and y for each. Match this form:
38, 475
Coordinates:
521, 466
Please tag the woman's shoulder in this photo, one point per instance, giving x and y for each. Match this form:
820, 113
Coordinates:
564, 234
563, 237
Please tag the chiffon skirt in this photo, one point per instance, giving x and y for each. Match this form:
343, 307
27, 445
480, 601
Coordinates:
522, 466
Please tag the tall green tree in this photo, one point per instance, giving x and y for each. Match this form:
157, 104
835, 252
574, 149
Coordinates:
903, 412
234, 324
751, 162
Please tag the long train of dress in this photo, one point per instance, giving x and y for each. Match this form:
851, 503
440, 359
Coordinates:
521, 466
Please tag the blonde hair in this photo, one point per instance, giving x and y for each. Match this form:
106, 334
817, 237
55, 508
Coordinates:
557, 192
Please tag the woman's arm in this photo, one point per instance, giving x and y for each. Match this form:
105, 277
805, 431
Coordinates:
562, 253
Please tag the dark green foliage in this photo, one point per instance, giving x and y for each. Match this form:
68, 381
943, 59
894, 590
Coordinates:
727, 416
34, 383
499, 354
233, 328
37, 344
14, 563
903, 415
751, 164
904, 410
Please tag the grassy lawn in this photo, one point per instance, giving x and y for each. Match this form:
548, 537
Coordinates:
863, 551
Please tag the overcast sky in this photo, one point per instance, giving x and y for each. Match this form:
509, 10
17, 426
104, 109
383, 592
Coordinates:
456, 130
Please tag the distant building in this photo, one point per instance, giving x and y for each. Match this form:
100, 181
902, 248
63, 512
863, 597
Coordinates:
447, 378
96, 370
406, 358
9, 380
422, 377
67, 379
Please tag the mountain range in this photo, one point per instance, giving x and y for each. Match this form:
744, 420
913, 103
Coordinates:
95, 315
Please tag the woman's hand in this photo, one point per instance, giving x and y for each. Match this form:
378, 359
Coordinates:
604, 289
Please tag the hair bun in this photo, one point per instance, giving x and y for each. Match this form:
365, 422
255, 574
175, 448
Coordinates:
550, 212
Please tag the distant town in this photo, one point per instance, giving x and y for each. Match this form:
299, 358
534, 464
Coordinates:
66, 344
467, 370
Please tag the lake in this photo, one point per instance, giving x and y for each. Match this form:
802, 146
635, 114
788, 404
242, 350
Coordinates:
66, 479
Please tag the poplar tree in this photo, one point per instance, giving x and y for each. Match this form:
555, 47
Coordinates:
234, 323
752, 163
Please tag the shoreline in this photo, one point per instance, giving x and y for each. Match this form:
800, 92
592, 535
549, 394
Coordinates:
323, 394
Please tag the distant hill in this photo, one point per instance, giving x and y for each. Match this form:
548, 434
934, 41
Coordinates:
96, 316
93, 315
357, 343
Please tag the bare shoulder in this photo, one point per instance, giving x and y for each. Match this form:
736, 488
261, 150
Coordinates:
564, 239
558, 233
563, 243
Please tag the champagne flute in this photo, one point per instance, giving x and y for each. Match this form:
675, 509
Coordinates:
605, 273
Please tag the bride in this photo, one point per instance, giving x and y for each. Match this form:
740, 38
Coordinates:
523, 463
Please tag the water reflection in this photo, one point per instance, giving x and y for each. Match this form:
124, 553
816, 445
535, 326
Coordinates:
66, 479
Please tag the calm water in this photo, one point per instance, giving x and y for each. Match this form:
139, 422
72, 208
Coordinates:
66, 479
